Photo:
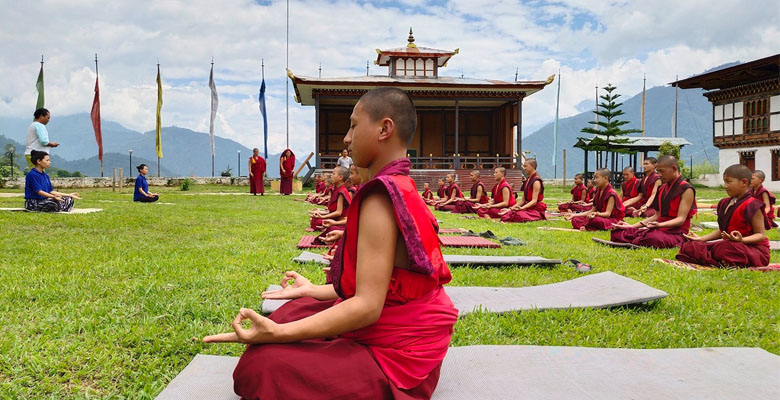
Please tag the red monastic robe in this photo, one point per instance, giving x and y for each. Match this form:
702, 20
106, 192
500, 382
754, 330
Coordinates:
645, 187
600, 203
452, 188
427, 194
256, 182
535, 213
498, 197
325, 199
758, 194
333, 205
399, 356
576, 195
630, 188
286, 167
667, 203
466, 206
727, 253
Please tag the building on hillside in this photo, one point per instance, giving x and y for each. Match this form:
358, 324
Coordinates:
461, 122
746, 114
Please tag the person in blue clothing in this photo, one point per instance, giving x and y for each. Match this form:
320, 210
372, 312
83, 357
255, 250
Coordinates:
142, 192
38, 192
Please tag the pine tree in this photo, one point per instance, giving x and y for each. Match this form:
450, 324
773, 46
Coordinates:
607, 130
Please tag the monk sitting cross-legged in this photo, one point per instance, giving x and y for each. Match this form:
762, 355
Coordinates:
381, 326
648, 189
427, 195
502, 197
531, 206
452, 194
478, 196
758, 191
629, 190
339, 200
674, 206
740, 240
579, 194
607, 209
440, 193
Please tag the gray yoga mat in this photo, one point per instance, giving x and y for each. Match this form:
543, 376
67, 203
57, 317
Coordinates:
709, 224
456, 259
73, 211
554, 373
602, 290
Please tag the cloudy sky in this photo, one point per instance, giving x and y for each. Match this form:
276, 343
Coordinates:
592, 42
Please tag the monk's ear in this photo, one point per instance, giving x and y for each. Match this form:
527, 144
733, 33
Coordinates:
388, 128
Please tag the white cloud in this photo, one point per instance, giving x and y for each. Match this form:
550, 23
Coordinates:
592, 42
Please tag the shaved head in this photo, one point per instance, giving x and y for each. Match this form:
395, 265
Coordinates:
651, 160
532, 162
738, 171
604, 173
629, 169
667, 161
759, 174
393, 103
476, 173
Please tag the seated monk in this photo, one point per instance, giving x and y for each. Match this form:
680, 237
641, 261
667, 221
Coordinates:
675, 205
758, 191
354, 179
478, 196
648, 188
578, 196
502, 197
324, 199
740, 240
531, 206
339, 200
452, 194
317, 188
629, 190
381, 326
427, 195
441, 193
607, 209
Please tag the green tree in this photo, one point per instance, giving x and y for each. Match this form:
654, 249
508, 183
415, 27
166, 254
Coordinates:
669, 149
607, 130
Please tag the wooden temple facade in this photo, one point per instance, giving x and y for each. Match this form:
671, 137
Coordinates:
461, 122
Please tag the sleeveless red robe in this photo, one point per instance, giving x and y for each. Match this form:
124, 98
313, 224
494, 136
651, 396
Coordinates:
447, 193
758, 194
397, 357
727, 253
535, 213
645, 187
466, 206
576, 195
333, 205
629, 189
498, 197
601, 202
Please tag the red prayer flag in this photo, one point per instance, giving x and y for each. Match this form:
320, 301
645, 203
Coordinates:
95, 116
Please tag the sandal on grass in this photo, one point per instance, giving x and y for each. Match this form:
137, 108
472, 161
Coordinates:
579, 266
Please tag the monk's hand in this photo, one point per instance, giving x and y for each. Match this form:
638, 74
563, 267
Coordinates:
333, 236
261, 330
621, 225
58, 198
591, 215
652, 225
301, 287
328, 222
734, 236
504, 211
692, 236
568, 216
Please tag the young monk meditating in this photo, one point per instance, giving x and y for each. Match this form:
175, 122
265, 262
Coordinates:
578, 196
758, 191
441, 192
478, 196
427, 195
452, 194
531, 206
381, 327
501, 196
354, 180
339, 200
740, 240
324, 198
674, 206
629, 190
607, 209
648, 188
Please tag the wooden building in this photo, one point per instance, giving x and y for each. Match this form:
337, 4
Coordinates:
746, 114
460, 121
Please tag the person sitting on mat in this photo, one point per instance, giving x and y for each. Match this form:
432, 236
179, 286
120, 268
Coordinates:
740, 240
452, 193
758, 191
648, 188
607, 209
502, 196
427, 195
675, 205
382, 325
578, 195
38, 192
478, 196
141, 192
629, 190
531, 206
338, 203
441, 193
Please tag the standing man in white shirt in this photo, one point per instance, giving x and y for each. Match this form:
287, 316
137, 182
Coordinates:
345, 160
38, 136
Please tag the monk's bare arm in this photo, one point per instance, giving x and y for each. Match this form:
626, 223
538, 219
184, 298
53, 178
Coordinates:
759, 233
767, 204
634, 200
686, 202
652, 195
608, 211
534, 196
339, 210
377, 240
505, 203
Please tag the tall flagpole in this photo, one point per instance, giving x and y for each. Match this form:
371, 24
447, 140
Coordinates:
100, 143
676, 78
644, 81
265, 113
287, 80
555, 129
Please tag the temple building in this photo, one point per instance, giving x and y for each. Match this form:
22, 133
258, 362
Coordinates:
746, 115
461, 122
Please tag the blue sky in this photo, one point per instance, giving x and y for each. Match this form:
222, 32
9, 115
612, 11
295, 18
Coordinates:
591, 42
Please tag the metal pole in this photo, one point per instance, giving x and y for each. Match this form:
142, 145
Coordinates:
96, 77
131, 161
287, 80
456, 160
239, 163
564, 167
675, 105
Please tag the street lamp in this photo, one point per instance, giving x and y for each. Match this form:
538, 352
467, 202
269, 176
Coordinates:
129, 171
239, 163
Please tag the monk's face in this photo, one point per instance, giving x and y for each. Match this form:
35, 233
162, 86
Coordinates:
735, 187
648, 166
362, 139
600, 181
497, 175
441, 183
255, 152
578, 181
529, 168
336, 178
474, 177
627, 175
755, 181
426, 186
668, 173
450, 179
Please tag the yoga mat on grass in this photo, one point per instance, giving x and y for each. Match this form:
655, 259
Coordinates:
73, 211
616, 244
774, 245
699, 267
602, 290
451, 231
554, 373
709, 224
455, 259
307, 242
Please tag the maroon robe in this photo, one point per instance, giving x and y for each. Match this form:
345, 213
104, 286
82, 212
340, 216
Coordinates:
535, 213
646, 186
498, 197
727, 253
427, 194
325, 199
256, 181
452, 188
466, 206
667, 203
286, 172
333, 205
600, 203
758, 194
576, 195
397, 357
630, 189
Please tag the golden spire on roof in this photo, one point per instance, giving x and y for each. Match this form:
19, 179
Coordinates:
410, 39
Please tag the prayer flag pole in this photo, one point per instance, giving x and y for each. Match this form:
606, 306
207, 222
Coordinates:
158, 139
644, 81
287, 81
555, 128
39, 87
214, 105
261, 100
95, 116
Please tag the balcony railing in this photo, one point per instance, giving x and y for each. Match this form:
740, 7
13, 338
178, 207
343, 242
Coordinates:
431, 162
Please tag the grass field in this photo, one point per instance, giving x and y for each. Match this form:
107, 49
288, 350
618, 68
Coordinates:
106, 305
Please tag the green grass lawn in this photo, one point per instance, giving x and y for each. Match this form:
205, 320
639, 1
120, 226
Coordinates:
106, 305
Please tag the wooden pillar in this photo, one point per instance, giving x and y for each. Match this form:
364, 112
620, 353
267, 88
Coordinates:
585, 170
519, 131
456, 161
317, 132
443, 133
